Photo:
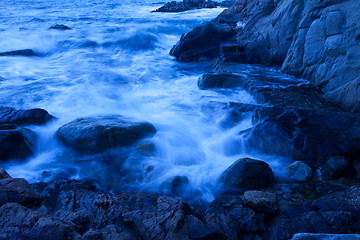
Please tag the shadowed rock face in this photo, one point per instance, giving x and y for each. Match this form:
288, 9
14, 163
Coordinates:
315, 40
98, 134
9, 115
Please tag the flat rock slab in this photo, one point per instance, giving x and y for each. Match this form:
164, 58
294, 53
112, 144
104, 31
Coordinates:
97, 134
36, 116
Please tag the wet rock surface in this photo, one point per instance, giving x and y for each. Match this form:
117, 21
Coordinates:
298, 171
60, 27
261, 201
101, 133
16, 142
36, 116
248, 174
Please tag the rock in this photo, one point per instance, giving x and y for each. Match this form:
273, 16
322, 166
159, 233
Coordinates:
24, 52
298, 171
314, 40
60, 27
176, 185
203, 42
199, 230
37, 116
261, 201
339, 166
17, 190
323, 236
98, 134
248, 174
229, 214
219, 80
314, 222
18, 222
16, 142
186, 5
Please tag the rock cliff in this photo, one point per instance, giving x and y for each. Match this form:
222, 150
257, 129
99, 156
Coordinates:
318, 40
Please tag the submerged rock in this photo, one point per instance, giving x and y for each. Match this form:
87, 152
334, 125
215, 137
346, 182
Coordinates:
37, 116
60, 27
16, 142
220, 80
339, 166
261, 201
248, 174
298, 171
24, 52
98, 134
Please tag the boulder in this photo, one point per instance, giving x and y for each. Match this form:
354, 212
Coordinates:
298, 171
60, 27
17, 190
203, 42
98, 134
261, 201
339, 166
248, 174
23, 52
37, 116
16, 142
324, 236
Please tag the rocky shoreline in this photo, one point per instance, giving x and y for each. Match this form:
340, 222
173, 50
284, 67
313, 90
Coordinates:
318, 193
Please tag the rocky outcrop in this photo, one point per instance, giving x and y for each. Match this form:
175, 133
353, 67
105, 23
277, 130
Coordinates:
23, 52
315, 40
36, 116
98, 134
298, 171
186, 5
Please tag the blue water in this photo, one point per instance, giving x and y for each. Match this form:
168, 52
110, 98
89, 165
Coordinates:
115, 60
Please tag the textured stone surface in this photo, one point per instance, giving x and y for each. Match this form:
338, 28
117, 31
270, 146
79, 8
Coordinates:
298, 171
261, 201
9, 115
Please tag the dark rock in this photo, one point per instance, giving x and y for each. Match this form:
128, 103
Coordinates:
60, 27
186, 5
339, 166
17, 190
16, 142
9, 115
98, 134
24, 52
199, 230
298, 171
323, 236
314, 222
176, 185
261, 201
18, 222
248, 174
219, 80
203, 42
229, 214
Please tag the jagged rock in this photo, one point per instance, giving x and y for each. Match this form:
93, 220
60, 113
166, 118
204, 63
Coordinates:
203, 42
248, 174
323, 236
261, 201
98, 134
60, 27
339, 166
16, 142
298, 171
17, 190
219, 80
24, 52
18, 222
9, 115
